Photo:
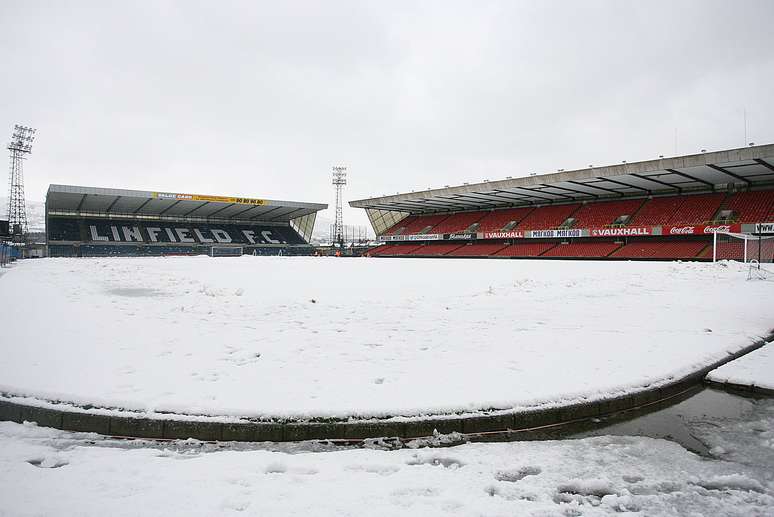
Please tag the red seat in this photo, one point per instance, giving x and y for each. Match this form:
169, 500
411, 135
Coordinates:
478, 249
696, 209
661, 249
400, 249
656, 212
457, 222
599, 215
525, 249
414, 224
547, 217
400, 225
583, 249
421, 222
436, 249
379, 249
752, 207
496, 220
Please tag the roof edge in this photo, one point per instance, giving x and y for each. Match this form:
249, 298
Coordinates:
675, 162
151, 194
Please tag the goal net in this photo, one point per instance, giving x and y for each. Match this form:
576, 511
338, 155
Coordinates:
743, 247
226, 251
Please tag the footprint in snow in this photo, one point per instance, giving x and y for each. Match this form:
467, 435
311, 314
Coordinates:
448, 463
514, 475
47, 463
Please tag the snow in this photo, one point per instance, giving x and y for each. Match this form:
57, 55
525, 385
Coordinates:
753, 369
49, 472
299, 337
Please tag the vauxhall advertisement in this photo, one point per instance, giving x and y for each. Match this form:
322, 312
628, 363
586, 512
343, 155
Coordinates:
640, 231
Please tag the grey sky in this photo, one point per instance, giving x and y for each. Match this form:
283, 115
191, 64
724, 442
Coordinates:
262, 98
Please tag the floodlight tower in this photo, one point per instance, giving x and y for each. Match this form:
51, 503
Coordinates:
20, 146
339, 180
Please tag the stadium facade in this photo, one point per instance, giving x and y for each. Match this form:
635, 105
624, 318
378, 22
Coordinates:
657, 209
87, 221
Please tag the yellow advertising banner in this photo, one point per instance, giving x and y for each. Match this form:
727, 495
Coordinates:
205, 197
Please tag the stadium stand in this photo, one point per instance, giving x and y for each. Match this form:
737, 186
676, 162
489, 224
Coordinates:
728, 250
401, 249
673, 210
583, 249
525, 249
423, 224
656, 211
734, 249
436, 249
457, 222
547, 217
379, 250
95, 250
400, 227
750, 207
695, 210
659, 209
478, 249
674, 249
698, 209
497, 220
599, 215
88, 221
66, 229
676, 210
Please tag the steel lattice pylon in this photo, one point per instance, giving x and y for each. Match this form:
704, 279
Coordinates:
20, 146
339, 180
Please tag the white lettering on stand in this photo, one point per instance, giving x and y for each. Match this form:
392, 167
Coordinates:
249, 235
201, 237
266, 234
131, 234
221, 236
153, 233
184, 235
95, 236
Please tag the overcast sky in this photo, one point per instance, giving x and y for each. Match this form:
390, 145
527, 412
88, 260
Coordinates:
261, 99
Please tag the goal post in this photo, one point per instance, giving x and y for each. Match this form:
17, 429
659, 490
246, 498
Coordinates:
226, 251
742, 247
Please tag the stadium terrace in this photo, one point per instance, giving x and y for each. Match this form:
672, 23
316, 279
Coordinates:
661, 209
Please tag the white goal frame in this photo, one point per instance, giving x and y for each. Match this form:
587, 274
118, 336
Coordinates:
226, 251
759, 248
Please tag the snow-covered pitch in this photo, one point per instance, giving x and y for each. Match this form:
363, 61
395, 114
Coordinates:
317, 337
754, 369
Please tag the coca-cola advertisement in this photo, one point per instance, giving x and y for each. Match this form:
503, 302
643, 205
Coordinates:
701, 229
